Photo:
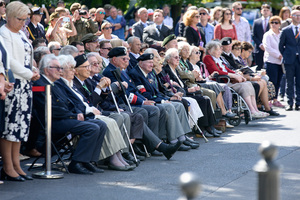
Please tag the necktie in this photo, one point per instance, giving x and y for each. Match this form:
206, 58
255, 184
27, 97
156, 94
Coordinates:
297, 34
265, 27
86, 89
158, 30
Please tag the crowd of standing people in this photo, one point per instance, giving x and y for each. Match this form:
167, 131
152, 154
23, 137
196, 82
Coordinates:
151, 82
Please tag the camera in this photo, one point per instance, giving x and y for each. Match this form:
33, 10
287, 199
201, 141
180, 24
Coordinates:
82, 12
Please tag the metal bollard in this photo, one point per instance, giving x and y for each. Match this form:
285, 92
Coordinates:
190, 185
47, 174
268, 172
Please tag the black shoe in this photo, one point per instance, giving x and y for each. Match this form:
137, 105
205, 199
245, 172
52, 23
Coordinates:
141, 158
184, 148
207, 134
4, 176
138, 151
211, 130
77, 168
193, 146
156, 153
215, 130
26, 177
118, 168
129, 157
297, 107
92, 168
289, 108
171, 149
272, 113
229, 115
191, 140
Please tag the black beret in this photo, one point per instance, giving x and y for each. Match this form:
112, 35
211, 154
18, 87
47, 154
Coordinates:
117, 51
226, 41
168, 39
146, 56
90, 37
80, 60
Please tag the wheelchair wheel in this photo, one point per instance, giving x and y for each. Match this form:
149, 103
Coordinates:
235, 121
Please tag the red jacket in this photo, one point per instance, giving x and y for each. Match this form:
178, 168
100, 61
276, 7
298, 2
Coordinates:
212, 66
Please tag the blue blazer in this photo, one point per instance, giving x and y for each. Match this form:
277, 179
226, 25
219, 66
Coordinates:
288, 46
258, 33
148, 91
64, 111
132, 93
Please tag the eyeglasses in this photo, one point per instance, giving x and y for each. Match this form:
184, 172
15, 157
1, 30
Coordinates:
95, 63
107, 48
228, 14
106, 28
197, 16
56, 67
274, 22
58, 49
162, 54
197, 52
70, 68
176, 57
238, 8
102, 13
22, 20
2, 4
295, 15
202, 13
86, 66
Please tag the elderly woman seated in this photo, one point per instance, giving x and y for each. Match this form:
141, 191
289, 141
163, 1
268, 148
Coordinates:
237, 81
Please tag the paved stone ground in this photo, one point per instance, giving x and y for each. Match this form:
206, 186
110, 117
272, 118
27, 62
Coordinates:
224, 166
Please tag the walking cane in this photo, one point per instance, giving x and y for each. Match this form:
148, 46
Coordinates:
206, 140
124, 127
117, 75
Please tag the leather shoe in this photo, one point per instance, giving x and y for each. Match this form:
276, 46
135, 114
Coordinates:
289, 108
156, 153
211, 130
118, 168
171, 149
138, 151
130, 167
272, 113
230, 115
5, 176
26, 177
184, 148
77, 168
191, 140
297, 107
92, 168
129, 157
193, 146
207, 134
32, 153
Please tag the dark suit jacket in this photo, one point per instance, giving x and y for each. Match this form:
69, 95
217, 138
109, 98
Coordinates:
138, 28
288, 46
38, 32
149, 92
258, 33
132, 62
132, 93
192, 36
151, 36
64, 111
234, 65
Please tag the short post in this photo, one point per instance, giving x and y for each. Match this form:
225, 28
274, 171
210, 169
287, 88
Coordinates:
268, 172
190, 186
47, 174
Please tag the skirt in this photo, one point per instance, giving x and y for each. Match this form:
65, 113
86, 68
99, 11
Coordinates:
18, 105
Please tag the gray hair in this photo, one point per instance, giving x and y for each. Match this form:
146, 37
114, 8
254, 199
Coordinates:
68, 50
212, 45
16, 9
131, 39
39, 53
150, 50
169, 53
45, 62
141, 9
65, 60
183, 44
52, 44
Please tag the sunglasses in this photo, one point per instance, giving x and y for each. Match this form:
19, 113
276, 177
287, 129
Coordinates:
197, 16
202, 13
106, 28
102, 13
197, 52
2, 4
274, 22
239, 8
107, 49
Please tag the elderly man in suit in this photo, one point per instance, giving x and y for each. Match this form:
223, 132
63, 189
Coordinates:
138, 27
260, 26
155, 33
67, 118
289, 47
177, 123
135, 46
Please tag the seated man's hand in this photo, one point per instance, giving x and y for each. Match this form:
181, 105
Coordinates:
80, 117
149, 102
96, 111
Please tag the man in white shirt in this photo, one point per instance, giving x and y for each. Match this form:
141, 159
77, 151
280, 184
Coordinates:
241, 23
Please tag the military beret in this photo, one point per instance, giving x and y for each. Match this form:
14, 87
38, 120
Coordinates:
90, 37
80, 60
117, 51
146, 56
168, 39
226, 41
